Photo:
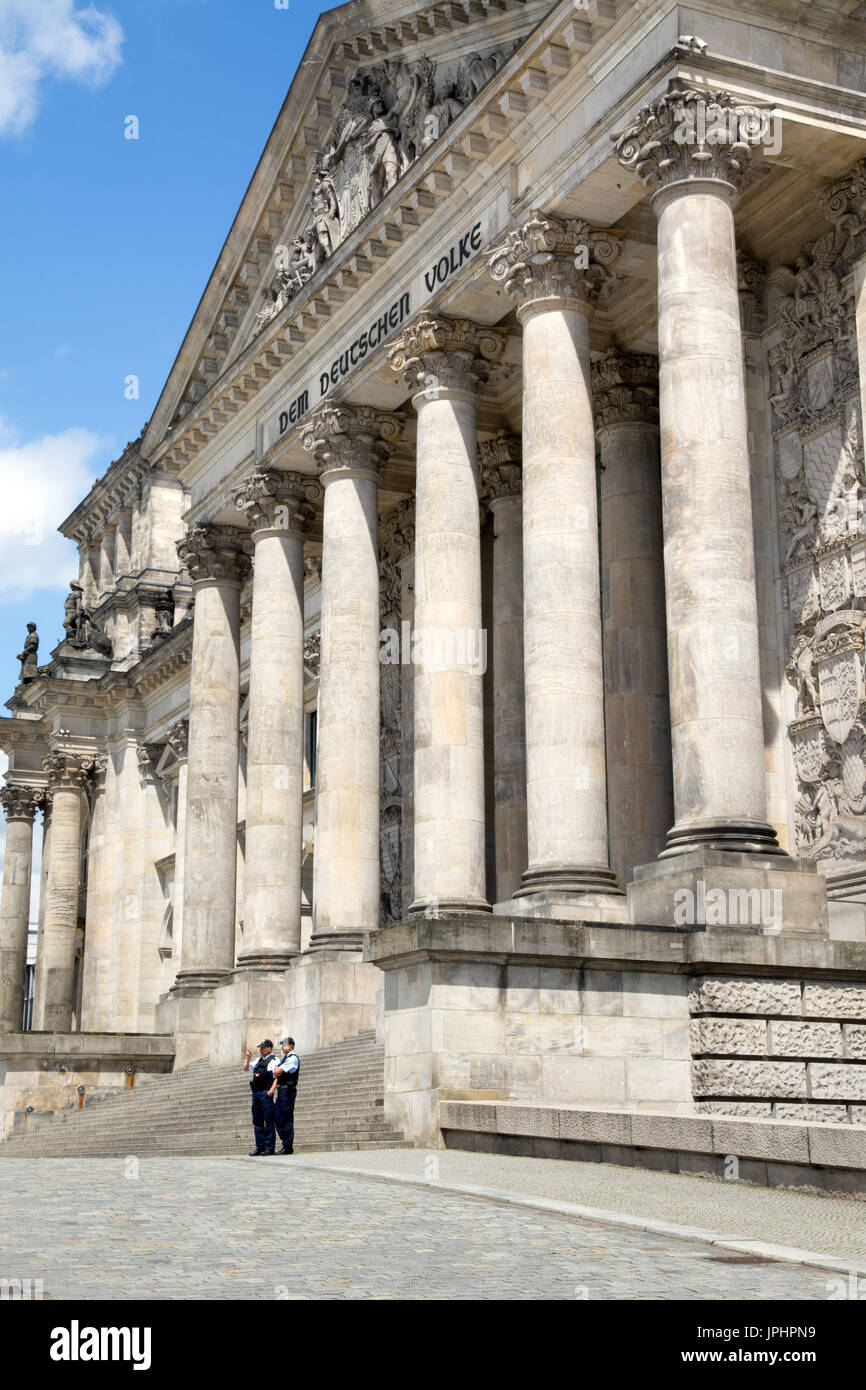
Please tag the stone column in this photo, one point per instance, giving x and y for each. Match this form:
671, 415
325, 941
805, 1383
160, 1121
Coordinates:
66, 773
45, 800
555, 272
279, 508
88, 571
99, 924
720, 794
123, 543
106, 562
501, 487
217, 559
349, 443
20, 808
178, 737
445, 361
637, 717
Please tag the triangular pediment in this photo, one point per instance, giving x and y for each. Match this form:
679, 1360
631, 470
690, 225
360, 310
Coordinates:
378, 87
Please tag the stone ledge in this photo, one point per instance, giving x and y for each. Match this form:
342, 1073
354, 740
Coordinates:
101, 1047
824, 1156
516, 940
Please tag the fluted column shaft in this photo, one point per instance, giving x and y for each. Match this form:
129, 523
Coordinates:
720, 794
217, 559
279, 508
501, 482
66, 774
555, 271
448, 360
106, 561
640, 796
20, 808
349, 443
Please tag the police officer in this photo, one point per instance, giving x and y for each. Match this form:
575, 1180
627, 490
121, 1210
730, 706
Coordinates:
286, 1074
261, 1076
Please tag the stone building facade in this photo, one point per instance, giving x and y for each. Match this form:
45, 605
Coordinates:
471, 646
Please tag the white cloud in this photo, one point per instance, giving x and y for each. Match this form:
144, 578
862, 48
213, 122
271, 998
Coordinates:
44, 39
40, 483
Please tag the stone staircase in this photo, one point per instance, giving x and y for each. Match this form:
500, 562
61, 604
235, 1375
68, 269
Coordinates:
206, 1110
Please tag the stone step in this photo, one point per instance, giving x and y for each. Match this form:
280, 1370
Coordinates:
207, 1111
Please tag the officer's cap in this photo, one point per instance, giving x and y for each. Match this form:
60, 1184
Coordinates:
267, 1043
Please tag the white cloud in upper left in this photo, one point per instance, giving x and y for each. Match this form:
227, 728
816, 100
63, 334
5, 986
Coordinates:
45, 39
41, 481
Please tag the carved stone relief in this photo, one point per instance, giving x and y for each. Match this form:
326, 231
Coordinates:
397, 539
820, 476
393, 112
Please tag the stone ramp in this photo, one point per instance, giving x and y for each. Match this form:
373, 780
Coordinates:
206, 1111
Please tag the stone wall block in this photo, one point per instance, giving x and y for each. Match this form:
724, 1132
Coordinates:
832, 1000
855, 1041
837, 1082
789, 1039
758, 1079
729, 1037
709, 994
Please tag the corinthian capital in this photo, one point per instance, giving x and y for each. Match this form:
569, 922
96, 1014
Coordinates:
845, 204
278, 501
346, 439
440, 354
499, 462
692, 133
19, 803
560, 263
625, 389
216, 552
67, 769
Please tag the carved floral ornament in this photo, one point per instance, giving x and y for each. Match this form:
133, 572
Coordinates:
845, 204
18, 802
392, 114
216, 552
549, 259
67, 769
441, 354
625, 388
350, 438
692, 133
277, 500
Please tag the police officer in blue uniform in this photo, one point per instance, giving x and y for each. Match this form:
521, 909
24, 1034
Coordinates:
261, 1077
285, 1084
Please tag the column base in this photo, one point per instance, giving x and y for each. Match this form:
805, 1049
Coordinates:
336, 941
198, 981
568, 892
722, 833
767, 893
438, 907
266, 960
328, 996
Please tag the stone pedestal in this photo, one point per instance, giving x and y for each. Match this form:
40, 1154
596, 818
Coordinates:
20, 808
555, 272
247, 1006
278, 505
217, 558
448, 360
328, 995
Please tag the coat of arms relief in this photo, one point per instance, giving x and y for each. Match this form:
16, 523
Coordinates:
393, 112
821, 479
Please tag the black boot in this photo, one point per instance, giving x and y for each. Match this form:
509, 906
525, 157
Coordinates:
255, 1153
287, 1149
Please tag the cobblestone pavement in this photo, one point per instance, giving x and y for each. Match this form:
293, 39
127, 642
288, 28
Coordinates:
834, 1226
212, 1228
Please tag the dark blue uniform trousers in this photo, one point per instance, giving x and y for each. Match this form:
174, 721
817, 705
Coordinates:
263, 1121
284, 1113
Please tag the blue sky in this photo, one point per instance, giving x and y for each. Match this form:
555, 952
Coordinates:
107, 243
